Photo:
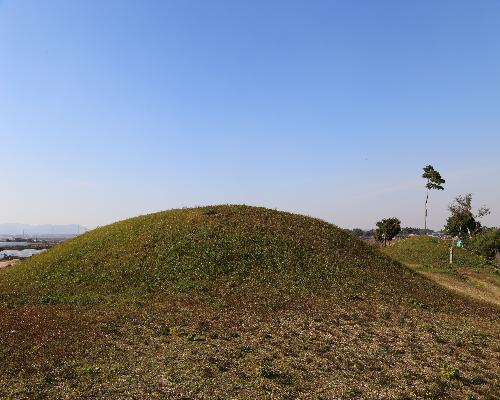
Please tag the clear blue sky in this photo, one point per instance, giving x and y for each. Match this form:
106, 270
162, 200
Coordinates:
109, 109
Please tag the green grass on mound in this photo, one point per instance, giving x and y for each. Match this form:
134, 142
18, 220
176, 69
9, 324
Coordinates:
205, 250
236, 302
433, 253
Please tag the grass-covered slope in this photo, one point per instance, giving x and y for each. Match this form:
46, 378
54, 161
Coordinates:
236, 302
433, 253
470, 274
205, 249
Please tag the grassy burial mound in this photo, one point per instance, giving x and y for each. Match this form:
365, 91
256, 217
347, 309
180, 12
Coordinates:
236, 302
433, 253
208, 250
470, 274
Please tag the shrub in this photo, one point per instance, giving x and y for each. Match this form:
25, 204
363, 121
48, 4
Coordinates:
450, 372
486, 243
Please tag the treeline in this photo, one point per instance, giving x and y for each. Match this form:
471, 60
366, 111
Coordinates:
362, 233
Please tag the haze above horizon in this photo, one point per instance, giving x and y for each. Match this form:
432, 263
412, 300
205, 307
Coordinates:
331, 109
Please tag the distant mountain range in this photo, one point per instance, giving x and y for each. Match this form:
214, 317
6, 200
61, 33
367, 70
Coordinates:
39, 230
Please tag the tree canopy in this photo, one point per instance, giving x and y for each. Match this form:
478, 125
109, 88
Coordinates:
387, 229
434, 179
463, 222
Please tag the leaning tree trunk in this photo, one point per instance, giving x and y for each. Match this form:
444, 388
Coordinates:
425, 218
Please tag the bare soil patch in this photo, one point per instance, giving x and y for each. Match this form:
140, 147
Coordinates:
8, 263
479, 285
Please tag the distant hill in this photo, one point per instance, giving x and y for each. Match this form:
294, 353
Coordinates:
38, 230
